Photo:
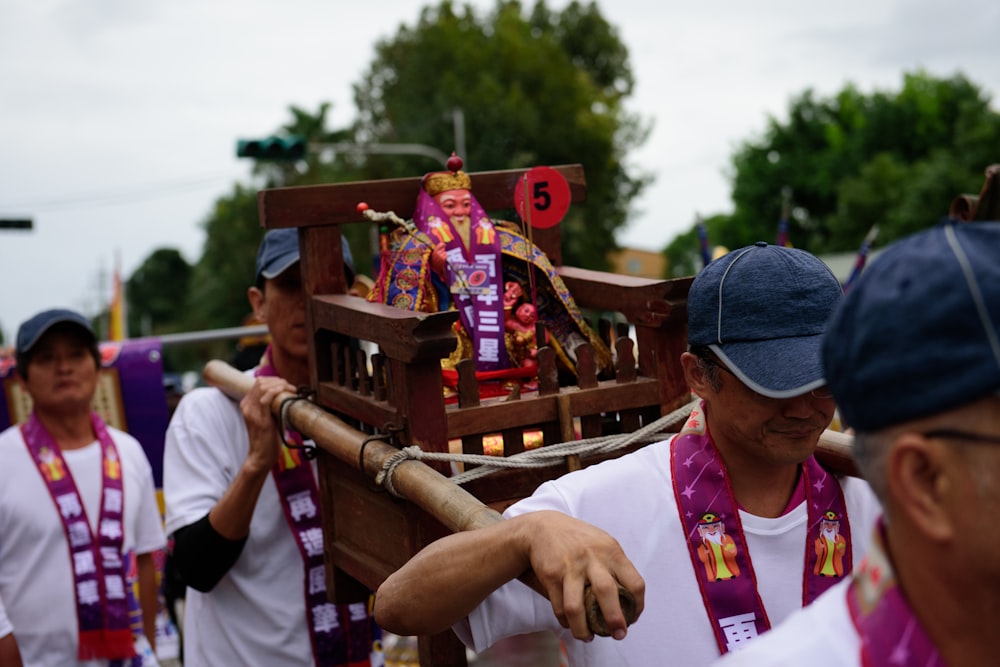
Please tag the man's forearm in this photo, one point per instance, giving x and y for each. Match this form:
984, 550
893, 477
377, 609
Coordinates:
445, 581
554, 553
149, 596
9, 652
206, 550
231, 516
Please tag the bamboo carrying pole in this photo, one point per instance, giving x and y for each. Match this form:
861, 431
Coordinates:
447, 502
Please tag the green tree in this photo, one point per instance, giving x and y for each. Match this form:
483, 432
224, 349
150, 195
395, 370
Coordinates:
219, 281
217, 297
213, 295
156, 299
543, 88
156, 293
853, 160
547, 88
684, 252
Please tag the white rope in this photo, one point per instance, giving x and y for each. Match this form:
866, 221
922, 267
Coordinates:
542, 457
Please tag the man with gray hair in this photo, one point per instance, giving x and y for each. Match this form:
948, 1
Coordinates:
714, 530
913, 359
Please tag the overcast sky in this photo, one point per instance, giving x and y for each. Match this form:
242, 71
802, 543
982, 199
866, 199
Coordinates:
120, 117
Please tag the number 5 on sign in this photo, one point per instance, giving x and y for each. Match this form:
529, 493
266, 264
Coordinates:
542, 197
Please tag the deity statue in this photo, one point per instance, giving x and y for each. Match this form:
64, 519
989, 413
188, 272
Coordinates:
521, 344
454, 256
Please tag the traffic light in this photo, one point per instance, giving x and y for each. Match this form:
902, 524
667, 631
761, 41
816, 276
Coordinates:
272, 148
18, 223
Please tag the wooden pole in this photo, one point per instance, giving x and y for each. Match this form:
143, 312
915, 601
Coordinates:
449, 503
834, 453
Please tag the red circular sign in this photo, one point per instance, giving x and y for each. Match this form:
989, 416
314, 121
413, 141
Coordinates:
547, 197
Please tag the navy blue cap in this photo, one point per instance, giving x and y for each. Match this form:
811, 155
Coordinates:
29, 333
762, 310
279, 250
917, 333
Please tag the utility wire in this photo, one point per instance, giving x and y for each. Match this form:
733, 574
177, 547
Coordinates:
120, 196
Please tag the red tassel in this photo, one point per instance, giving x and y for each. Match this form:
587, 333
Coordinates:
103, 643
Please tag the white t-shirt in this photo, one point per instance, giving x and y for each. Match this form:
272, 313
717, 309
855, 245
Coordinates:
256, 614
632, 498
36, 580
821, 635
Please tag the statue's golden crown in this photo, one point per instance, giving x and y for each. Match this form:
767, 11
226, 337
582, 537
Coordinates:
441, 181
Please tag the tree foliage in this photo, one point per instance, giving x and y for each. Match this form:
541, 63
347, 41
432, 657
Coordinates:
156, 299
220, 279
156, 292
542, 88
221, 276
548, 87
853, 160
539, 88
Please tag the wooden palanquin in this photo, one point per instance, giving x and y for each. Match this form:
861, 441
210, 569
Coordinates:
399, 391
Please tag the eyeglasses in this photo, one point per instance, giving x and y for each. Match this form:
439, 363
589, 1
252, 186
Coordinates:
819, 392
962, 435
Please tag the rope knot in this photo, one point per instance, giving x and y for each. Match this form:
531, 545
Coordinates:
384, 476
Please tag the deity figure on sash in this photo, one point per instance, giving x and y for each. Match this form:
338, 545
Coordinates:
52, 467
454, 256
830, 547
717, 550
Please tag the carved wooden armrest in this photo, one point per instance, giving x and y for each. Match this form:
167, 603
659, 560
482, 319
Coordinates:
643, 301
401, 334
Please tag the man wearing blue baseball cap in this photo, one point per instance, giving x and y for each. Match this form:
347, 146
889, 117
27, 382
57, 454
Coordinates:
718, 532
913, 359
79, 521
244, 509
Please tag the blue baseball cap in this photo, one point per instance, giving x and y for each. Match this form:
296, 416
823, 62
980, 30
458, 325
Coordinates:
279, 250
762, 310
32, 330
917, 333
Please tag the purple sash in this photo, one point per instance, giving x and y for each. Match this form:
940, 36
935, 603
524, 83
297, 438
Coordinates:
143, 651
98, 566
474, 280
340, 634
718, 546
890, 632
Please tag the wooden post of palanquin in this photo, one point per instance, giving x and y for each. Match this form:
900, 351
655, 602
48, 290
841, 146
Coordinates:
367, 533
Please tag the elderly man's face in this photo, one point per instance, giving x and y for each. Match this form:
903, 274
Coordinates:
764, 430
775, 430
